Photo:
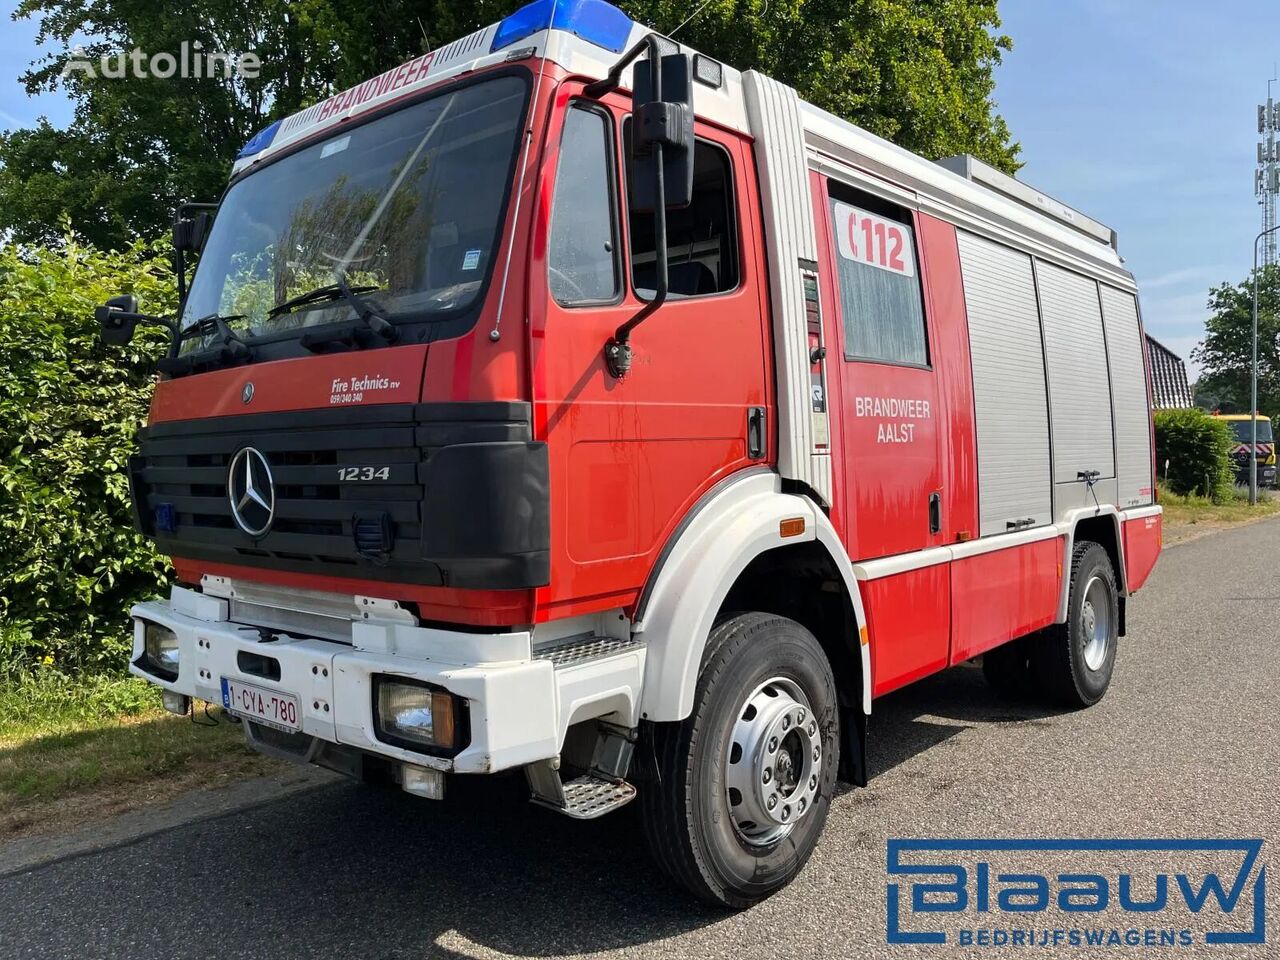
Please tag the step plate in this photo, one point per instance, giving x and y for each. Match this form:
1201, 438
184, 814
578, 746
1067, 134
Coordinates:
567, 653
588, 797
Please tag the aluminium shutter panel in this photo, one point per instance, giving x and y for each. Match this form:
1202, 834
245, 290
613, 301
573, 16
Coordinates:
1129, 395
1079, 386
1012, 415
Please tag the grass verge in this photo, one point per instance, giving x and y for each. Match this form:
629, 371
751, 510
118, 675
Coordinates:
1187, 517
73, 750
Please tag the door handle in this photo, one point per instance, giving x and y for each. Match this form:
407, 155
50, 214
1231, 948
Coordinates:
935, 512
755, 433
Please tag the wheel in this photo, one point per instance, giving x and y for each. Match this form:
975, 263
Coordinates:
1073, 661
1007, 669
740, 790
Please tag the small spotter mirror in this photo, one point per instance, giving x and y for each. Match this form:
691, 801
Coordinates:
117, 319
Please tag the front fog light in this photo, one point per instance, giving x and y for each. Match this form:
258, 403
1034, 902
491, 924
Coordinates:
162, 648
414, 715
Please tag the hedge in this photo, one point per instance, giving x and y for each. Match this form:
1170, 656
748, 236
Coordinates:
70, 562
1193, 454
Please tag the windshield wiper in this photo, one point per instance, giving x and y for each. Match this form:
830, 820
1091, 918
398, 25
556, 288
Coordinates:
228, 348
369, 322
330, 291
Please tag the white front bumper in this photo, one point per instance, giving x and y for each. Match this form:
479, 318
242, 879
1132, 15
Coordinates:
514, 703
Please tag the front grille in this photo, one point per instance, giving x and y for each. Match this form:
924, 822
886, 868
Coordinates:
352, 486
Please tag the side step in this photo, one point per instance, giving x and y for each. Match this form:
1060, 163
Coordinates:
583, 798
598, 680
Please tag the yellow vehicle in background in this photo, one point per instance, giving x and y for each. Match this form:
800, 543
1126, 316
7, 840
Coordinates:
1242, 429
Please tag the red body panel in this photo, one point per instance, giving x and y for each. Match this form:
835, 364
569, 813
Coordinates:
1142, 540
909, 621
479, 608
391, 375
1004, 594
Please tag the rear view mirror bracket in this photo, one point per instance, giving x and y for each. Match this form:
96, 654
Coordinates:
661, 162
118, 318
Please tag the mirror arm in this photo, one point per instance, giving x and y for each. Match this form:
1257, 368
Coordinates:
617, 351
613, 78
146, 318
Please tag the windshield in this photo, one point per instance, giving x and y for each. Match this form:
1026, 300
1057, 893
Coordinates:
407, 207
1244, 430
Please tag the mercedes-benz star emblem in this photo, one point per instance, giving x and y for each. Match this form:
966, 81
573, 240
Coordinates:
247, 393
252, 492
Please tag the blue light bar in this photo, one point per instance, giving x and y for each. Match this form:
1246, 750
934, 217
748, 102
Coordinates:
593, 20
259, 141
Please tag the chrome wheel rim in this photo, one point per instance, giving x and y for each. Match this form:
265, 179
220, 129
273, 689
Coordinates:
772, 763
1095, 620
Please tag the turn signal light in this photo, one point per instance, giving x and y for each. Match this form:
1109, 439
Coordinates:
791, 527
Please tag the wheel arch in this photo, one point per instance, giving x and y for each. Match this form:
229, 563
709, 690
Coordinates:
1103, 527
730, 537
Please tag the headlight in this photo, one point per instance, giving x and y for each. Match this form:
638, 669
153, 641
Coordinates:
161, 645
413, 715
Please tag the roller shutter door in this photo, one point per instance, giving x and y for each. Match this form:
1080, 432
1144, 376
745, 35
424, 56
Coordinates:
1012, 415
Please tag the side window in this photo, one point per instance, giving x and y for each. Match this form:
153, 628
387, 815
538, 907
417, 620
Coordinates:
702, 238
879, 281
582, 261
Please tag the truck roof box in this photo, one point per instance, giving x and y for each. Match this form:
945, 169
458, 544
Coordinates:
983, 174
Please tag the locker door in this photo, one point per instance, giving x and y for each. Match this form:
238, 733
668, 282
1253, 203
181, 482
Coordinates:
888, 460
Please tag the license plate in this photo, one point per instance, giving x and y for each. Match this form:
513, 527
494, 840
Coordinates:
275, 709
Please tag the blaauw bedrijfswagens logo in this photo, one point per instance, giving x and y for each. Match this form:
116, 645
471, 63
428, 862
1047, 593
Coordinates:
1076, 893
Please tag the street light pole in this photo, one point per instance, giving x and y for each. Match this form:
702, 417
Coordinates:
1253, 377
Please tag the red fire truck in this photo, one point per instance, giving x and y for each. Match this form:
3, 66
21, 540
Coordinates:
567, 402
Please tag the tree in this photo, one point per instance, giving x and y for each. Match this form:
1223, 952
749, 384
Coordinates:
1225, 355
69, 408
918, 74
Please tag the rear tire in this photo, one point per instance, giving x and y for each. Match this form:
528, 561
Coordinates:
1074, 661
764, 726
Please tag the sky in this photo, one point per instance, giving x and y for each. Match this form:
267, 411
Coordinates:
1143, 114
1140, 113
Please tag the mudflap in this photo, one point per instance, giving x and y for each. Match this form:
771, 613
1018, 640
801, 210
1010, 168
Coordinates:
853, 751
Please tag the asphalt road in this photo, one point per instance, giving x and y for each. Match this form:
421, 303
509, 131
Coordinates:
1187, 743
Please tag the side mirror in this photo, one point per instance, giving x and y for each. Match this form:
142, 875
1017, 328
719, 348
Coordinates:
117, 319
663, 119
190, 234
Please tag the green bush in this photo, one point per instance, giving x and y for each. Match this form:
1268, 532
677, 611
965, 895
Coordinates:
1193, 454
70, 561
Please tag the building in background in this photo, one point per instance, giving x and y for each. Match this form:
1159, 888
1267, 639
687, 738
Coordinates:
1169, 387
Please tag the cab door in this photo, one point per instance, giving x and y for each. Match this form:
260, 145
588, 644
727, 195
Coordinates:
888, 457
630, 457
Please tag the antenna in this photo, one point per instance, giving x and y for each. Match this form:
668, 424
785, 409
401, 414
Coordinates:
1266, 178
702, 6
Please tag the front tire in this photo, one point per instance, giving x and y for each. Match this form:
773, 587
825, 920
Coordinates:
1074, 661
740, 790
